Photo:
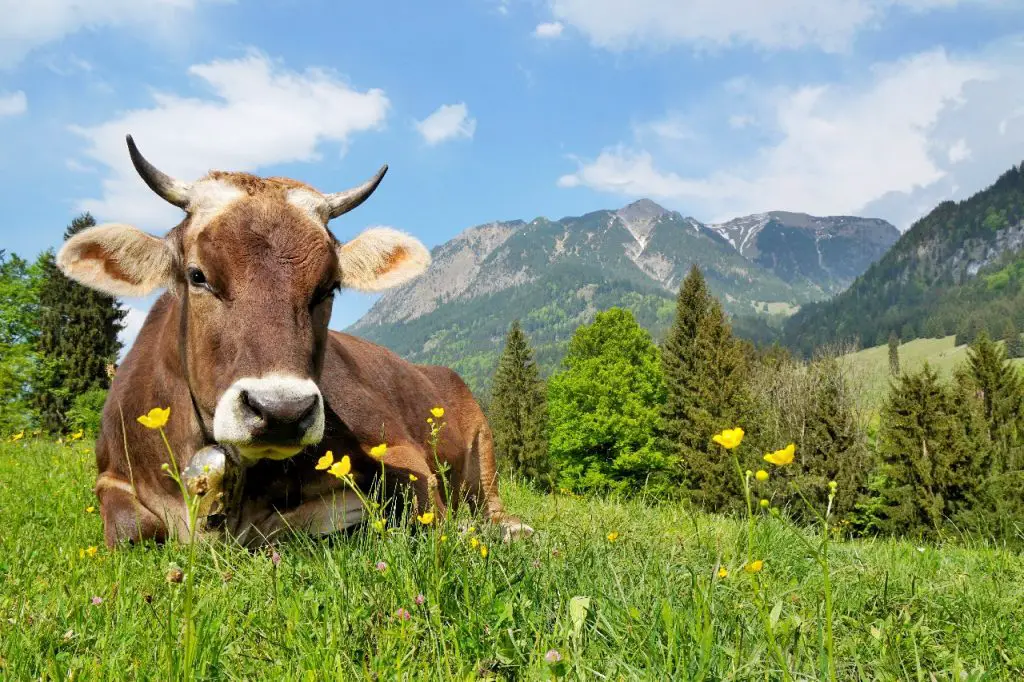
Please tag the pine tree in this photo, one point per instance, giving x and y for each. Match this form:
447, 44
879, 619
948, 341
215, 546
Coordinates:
705, 372
894, 355
78, 337
927, 454
1001, 390
518, 411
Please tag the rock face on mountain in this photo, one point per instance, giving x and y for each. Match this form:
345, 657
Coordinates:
827, 252
554, 275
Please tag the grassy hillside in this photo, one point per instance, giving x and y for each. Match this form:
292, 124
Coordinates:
871, 365
649, 605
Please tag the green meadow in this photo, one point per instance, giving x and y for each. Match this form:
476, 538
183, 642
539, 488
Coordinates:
651, 603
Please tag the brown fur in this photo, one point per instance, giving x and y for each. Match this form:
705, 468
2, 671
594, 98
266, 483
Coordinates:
266, 261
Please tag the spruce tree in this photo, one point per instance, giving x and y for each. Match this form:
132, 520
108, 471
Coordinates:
927, 452
705, 372
78, 337
1001, 390
518, 411
894, 355
1011, 340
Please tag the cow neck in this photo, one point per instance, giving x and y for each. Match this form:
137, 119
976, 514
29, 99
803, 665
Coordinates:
183, 360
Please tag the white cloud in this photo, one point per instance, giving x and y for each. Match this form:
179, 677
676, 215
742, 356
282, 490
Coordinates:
13, 103
959, 151
774, 24
739, 121
549, 30
27, 25
920, 130
672, 127
259, 114
448, 122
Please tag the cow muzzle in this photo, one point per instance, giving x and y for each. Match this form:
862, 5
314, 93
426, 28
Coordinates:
270, 417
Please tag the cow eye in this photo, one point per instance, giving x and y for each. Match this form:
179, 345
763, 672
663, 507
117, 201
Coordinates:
196, 277
324, 295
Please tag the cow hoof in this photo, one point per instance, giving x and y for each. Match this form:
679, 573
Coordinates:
514, 530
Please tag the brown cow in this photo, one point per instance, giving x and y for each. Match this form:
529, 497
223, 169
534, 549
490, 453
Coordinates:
238, 348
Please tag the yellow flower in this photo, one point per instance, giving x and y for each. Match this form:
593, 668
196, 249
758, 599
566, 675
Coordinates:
613, 536
729, 438
764, 504
341, 469
426, 519
438, 412
444, 538
377, 451
412, 477
90, 510
378, 525
78, 434
723, 572
156, 418
91, 551
473, 543
754, 566
761, 475
18, 436
430, 420
326, 461
483, 551
783, 456
471, 529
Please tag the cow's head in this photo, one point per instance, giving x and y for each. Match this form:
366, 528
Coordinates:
255, 270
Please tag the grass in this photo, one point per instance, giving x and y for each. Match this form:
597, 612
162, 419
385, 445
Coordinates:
871, 365
649, 605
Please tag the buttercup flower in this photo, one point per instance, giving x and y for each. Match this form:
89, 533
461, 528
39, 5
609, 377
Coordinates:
483, 551
729, 438
341, 469
377, 451
412, 477
764, 504
326, 461
723, 572
781, 457
473, 542
156, 418
613, 536
761, 475
754, 566
438, 412
426, 519
90, 510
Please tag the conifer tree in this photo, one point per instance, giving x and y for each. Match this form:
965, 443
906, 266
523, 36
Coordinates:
1012, 341
894, 355
705, 372
518, 411
927, 454
1001, 390
78, 337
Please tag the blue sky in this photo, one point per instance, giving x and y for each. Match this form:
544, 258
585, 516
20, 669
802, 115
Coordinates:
501, 109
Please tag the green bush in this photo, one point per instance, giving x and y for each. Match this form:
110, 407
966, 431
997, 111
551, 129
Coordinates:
86, 411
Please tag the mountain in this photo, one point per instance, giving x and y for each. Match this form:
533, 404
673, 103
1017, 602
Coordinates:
828, 252
955, 271
555, 275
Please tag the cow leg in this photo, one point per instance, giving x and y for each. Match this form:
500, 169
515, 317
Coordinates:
481, 479
405, 460
329, 513
125, 518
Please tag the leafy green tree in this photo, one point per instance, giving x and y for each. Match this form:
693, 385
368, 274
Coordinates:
604, 407
705, 370
518, 410
18, 336
928, 449
894, 355
78, 338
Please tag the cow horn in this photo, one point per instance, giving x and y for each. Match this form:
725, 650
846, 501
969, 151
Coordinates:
343, 202
169, 189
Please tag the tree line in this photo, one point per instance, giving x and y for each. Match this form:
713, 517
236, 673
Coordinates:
625, 415
58, 344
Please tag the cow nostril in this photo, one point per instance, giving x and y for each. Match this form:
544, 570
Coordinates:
250, 403
310, 407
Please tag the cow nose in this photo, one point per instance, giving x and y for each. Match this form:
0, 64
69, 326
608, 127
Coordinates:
271, 407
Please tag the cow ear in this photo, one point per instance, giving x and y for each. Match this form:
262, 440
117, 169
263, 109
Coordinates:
115, 259
381, 258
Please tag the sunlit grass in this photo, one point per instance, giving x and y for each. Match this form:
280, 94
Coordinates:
630, 590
